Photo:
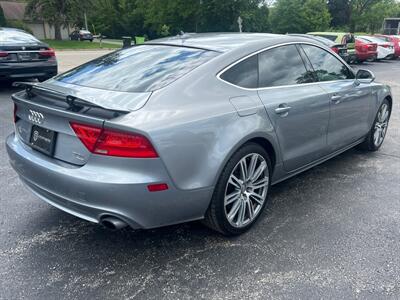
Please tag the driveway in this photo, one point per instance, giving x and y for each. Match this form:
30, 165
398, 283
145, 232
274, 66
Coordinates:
331, 232
69, 59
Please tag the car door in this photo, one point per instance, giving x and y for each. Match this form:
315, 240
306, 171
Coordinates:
297, 107
349, 100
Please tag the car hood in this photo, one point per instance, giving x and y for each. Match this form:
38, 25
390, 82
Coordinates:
112, 100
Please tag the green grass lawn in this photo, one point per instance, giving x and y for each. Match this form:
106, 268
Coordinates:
65, 45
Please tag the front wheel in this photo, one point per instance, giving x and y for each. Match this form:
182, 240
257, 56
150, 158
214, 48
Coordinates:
377, 134
241, 192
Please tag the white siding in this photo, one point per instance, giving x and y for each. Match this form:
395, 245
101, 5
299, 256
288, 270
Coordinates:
46, 31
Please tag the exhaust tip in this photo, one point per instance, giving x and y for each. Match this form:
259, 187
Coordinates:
113, 223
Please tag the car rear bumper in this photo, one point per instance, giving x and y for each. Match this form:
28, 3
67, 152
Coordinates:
366, 56
45, 69
102, 188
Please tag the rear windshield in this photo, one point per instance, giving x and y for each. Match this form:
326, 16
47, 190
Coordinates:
141, 68
13, 37
327, 36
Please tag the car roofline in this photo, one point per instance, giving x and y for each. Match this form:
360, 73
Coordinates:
181, 46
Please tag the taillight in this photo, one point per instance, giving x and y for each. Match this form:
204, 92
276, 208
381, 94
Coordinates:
3, 53
114, 143
47, 53
334, 49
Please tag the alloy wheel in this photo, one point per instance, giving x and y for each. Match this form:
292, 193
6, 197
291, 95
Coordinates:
381, 125
246, 190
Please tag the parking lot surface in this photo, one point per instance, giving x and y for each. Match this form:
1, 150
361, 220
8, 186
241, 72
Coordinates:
331, 232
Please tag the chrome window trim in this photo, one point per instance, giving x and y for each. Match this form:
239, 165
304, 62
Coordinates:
281, 86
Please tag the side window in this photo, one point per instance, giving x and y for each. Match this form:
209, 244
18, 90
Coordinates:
326, 66
243, 74
282, 66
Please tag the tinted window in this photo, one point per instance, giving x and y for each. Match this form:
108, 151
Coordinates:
282, 66
243, 74
16, 37
138, 69
326, 66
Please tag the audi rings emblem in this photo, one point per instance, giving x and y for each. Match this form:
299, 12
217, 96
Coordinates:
36, 117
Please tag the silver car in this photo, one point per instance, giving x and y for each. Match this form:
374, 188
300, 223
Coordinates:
194, 127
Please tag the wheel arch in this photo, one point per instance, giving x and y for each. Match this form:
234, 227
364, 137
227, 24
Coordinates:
265, 142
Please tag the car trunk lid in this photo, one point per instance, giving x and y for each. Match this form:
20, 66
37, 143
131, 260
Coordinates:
44, 112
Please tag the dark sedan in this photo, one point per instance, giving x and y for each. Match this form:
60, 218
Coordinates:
24, 56
81, 35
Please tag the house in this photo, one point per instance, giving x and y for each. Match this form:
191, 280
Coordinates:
15, 11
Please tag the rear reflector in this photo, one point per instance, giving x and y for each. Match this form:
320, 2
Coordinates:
15, 113
157, 187
114, 143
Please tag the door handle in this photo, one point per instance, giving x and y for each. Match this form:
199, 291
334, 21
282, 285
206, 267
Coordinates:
336, 98
282, 109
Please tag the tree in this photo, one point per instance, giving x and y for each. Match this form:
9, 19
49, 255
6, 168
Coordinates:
58, 13
340, 11
316, 15
300, 16
3, 22
371, 20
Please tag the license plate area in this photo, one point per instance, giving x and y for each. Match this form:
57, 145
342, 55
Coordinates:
25, 56
43, 140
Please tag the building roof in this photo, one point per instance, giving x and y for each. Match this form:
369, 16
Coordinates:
13, 10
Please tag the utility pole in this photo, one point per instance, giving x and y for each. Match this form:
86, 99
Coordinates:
84, 14
240, 23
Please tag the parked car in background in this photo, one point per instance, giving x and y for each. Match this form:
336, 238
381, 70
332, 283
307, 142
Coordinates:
340, 38
366, 51
393, 39
24, 56
191, 127
385, 49
81, 35
340, 49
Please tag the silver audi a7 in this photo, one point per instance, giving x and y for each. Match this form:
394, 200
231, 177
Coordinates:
193, 127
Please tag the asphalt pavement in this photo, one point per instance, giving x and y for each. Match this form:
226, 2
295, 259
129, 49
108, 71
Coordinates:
331, 232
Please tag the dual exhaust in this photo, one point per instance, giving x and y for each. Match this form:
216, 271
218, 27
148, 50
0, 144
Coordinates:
113, 223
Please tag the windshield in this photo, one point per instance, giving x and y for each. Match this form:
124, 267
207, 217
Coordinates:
373, 39
16, 37
325, 41
141, 68
327, 36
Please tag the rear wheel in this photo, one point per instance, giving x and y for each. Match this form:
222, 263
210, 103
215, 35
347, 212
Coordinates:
377, 134
241, 192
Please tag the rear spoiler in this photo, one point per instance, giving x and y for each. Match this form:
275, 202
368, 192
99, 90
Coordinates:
74, 103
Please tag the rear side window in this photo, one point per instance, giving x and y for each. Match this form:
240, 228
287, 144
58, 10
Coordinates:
326, 66
243, 74
141, 68
282, 66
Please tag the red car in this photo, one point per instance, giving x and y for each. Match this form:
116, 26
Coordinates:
396, 42
365, 51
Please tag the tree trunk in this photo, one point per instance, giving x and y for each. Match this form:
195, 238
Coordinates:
57, 32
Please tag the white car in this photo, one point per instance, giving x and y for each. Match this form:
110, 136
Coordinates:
385, 49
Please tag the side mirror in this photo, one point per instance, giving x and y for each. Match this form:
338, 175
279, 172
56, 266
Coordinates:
365, 76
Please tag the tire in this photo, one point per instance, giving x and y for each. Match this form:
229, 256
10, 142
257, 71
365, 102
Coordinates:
379, 127
248, 207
